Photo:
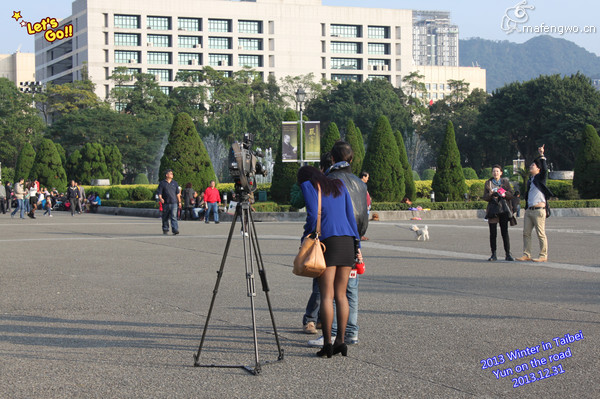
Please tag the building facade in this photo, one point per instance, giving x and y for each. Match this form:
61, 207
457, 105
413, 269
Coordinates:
274, 37
18, 67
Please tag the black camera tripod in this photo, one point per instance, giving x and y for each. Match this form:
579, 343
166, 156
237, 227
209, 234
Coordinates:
250, 244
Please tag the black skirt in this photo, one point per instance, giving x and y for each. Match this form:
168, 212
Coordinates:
339, 251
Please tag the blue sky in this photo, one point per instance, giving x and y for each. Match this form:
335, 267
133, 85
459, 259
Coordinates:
474, 18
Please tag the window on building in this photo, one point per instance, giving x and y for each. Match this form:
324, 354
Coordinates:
346, 48
127, 21
123, 57
219, 25
250, 26
345, 30
158, 23
189, 42
252, 61
191, 24
189, 59
434, 87
442, 87
345, 63
250, 44
127, 39
427, 86
379, 48
220, 43
162, 75
159, 40
343, 78
165, 89
379, 64
375, 77
158, 57
219, 60
379, 32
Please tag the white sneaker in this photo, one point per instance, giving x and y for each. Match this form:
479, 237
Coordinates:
50, 215
318, 343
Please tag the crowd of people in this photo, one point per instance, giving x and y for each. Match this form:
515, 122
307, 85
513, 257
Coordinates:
28, 197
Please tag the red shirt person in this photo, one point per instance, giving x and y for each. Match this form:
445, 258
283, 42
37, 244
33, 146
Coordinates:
212, 198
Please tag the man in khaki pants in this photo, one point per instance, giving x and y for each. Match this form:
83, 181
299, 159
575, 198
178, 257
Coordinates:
537, 210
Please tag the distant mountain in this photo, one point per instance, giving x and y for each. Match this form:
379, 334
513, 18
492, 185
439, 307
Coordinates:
507, 62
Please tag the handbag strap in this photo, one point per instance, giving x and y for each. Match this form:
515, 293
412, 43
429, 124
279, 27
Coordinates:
318, 230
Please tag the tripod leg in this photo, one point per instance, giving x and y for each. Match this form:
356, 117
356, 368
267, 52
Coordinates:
238, 211
263, 278
250, 282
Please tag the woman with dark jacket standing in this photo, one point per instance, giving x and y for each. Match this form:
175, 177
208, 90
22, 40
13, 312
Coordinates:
498, 189
189, 197
340, 236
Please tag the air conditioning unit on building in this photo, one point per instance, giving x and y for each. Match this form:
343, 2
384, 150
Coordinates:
370, 67
198, 45
193, 62
221, 63
240, 47
132, 61
148, 27
376, 67
386, 67
149, 44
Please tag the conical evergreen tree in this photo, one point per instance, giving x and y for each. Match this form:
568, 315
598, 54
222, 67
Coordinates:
92, 164
330, 137
449, 180
25, 162
186, 155
410, 190
72, 169
355, 139
114, 163
587, 164
48, 167
382, 161
284, 173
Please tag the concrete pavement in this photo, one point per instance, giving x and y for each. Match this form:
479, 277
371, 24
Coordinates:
106, 306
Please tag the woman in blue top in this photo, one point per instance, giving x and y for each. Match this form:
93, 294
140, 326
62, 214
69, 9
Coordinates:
342, 242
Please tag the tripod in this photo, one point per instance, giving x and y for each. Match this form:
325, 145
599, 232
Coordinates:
250, 244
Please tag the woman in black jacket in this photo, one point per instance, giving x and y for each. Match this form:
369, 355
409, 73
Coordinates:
498, 191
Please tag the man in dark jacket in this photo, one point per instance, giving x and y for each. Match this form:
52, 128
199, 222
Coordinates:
73, 197
537, 210
341, 156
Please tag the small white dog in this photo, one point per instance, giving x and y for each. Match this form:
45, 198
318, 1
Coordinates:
421, 232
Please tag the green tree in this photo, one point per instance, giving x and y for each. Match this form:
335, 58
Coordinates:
410, 190
20, 123
470, 174
382, 161
330, 137
428, 174
284, 173
186, 155
62, 153
141, 178
92, 164
355, 139
114, 163
449, 181
25, 162
587, 165
73, 170
48, 168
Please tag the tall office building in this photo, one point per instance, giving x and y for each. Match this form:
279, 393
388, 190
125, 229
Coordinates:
435, 39
278, 37
17, 67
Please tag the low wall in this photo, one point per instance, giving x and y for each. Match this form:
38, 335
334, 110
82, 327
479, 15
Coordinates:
383, 215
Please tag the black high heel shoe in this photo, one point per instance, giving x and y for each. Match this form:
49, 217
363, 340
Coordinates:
340, 348
327, 350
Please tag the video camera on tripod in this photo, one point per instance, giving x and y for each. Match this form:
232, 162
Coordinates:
244, 165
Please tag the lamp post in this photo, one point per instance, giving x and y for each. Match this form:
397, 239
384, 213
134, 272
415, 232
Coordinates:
300, 97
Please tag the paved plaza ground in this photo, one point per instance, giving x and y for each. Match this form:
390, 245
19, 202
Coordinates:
106, 306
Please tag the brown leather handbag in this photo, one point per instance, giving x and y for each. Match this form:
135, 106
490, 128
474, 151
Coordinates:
310, 261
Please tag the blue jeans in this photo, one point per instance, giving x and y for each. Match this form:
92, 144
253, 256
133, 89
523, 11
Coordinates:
198, 212
214, 208
169, 212
20, 206
314, 303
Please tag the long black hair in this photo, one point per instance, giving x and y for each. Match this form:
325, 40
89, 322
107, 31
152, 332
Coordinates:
316, 177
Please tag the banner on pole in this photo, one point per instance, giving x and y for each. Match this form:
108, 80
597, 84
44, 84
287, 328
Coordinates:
312, 148
289, 142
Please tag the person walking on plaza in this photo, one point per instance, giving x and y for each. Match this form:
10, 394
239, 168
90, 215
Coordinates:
2, 198
19, 194
536, 198
82, 199
497, 192
169, 195
212, 198
9, 195
189, 199
339, 235
73, 197
33, 198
